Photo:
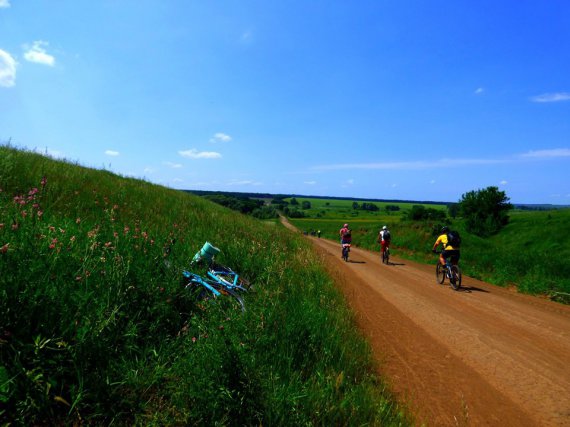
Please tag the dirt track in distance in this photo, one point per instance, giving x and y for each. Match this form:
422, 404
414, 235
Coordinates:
483, 355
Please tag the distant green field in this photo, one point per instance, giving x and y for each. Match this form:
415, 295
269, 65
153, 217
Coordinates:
338, 209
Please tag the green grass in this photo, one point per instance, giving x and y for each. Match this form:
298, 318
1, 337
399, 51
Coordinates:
97, 329
531, 253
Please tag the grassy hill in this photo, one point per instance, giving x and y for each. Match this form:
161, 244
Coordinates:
96, 328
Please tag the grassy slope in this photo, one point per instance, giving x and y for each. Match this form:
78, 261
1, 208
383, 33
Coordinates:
97, 328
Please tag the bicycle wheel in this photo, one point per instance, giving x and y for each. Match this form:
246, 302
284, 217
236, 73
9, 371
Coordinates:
387, 256
345, 254
455, 277
440, 273
230, 300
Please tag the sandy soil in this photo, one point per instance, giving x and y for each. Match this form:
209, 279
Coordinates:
481, 356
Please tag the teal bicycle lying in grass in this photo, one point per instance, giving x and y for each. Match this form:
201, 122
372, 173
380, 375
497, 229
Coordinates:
219, 281
205, 289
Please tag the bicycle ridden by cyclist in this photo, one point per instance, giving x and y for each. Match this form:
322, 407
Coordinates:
449, 251
384, 238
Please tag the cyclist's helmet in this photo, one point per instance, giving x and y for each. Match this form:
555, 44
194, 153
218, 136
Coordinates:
444, 229
384, 228
345, 225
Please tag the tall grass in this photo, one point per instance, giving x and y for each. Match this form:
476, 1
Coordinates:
96, 328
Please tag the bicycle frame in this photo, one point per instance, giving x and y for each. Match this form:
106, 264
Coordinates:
449, 270
222, 276
198, 280
214, 287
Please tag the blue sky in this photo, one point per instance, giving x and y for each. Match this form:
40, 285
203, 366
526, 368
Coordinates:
386, 99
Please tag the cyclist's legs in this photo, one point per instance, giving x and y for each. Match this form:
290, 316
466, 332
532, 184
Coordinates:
452, 255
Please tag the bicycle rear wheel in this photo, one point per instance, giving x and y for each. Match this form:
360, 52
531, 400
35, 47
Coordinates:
440, 273
230, 300
455, 277
387, 256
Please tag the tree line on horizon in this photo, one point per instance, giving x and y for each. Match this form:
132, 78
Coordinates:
485, 211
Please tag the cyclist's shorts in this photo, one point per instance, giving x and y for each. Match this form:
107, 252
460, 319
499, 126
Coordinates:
452, 254
343, 241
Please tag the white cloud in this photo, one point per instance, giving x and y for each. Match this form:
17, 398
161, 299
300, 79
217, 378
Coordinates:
195, 154
172, 165
112, 153
246, 37
4, 4
543, 154
503, 182
38, 54
244, 182
310, 182
148, 170
220, 137
413, 165
551, 97
479, 91
432, 181
7, 69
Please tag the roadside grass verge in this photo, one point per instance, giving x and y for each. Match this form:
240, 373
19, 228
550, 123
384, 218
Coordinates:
97, 329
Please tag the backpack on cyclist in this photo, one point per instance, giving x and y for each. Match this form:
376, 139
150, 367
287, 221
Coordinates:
453, 239
386, 236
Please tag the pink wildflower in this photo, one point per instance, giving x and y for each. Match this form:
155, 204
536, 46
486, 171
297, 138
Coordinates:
15, 226
24, 214
4, 248
44, 181
40, 213
78, 220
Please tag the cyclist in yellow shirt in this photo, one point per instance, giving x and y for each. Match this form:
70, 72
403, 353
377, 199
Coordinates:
448, 250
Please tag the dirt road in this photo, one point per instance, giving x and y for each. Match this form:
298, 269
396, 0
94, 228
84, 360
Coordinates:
480, 356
